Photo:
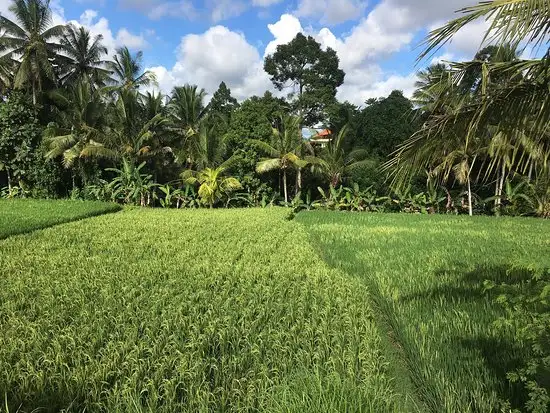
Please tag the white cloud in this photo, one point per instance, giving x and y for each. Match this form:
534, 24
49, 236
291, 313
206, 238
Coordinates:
132, 41
96, 26
283, 32
217, 55
380, 85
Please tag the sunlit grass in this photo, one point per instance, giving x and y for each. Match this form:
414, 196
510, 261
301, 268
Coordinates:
426, 275
18, 216
187, 311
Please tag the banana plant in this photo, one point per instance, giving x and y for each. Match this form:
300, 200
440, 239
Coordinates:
130, 186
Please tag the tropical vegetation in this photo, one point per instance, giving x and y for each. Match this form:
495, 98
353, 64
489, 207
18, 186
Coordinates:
311, 259
72, 116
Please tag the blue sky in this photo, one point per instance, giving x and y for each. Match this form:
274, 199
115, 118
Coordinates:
207, 41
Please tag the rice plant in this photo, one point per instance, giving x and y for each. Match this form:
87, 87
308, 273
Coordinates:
187, 311
18, 216
427, 276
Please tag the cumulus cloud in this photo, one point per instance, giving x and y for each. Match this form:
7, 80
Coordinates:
220, 54
132, 41
100, 25
283, 32
217, 55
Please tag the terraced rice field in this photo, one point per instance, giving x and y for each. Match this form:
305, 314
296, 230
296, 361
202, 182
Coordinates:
164, 311
426, 275
244, 311
18, 216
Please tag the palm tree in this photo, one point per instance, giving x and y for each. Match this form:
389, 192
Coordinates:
31, 43
127, 69
134, 135
430, 86
153, 104
208, 147
8, 66
82, 57
187, 108
442, 155
214, 185
333, 161
81, 129
282, 151
523, 104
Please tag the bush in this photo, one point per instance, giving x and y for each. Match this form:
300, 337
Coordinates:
527, 307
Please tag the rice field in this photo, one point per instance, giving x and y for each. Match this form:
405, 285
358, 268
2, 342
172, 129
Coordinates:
187, 311
18, 216
244, 311
426, 275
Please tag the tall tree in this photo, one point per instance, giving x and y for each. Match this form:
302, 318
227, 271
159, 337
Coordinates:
283, 151
312, 73
82, 57
127, 70
222, 102
385, 123
32, 43
220, 110
187, 108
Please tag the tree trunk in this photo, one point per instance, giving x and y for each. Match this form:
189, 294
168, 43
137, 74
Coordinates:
470, 208
34, 93
298, 180
498, 191
284, 186
9, 178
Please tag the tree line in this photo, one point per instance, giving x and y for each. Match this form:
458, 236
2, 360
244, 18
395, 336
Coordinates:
78, 121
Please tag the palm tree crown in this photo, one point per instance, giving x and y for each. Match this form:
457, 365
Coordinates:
127, 70
31, 43
83, 56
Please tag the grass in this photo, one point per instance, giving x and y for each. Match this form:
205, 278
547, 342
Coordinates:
18, 216
426, 275
188, 311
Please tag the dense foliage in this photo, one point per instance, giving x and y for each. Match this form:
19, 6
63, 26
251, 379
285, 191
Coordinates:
72, 119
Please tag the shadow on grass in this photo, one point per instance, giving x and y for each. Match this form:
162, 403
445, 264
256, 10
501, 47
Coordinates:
500, 351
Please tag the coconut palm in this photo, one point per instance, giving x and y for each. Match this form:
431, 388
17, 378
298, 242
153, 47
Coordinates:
208, 147
282, 152
334, 163
153, 104
430, 87
187, 108
81, 128
8, 66
127, 71
214, 184
82, 56
523, 104
133, 135
30, 41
